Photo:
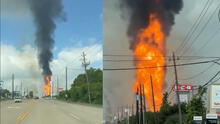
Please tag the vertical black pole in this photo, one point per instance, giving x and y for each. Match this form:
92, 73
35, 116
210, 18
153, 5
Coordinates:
137, 107
66, 85
177, 92
144, 104
141, 104
132, 111
12, 93
152, 89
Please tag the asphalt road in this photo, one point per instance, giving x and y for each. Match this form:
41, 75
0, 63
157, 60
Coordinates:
48, 112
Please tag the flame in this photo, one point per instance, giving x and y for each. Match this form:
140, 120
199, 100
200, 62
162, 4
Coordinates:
150, 48
47, 79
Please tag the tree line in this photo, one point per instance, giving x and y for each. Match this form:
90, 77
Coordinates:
79, 88
168, 114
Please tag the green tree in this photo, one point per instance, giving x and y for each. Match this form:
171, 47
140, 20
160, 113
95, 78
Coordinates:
4, 93
31, 94
196, 106
79, 89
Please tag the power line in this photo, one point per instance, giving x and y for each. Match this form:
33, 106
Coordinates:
194, 26
184, 64
198, 74
209, 40
201, 31
210, 81
121, 55
79, 56
140, 60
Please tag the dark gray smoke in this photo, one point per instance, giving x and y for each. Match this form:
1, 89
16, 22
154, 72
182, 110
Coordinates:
45, 12
140, 10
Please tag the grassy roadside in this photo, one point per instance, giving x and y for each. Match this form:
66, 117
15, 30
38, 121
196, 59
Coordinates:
80, 103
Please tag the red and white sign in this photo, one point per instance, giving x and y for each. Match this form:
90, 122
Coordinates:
183, 87
60, 89
215, 96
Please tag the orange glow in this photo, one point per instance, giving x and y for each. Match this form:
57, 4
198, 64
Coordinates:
47, 79
150, 48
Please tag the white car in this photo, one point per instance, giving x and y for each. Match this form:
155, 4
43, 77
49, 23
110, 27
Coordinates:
18, 100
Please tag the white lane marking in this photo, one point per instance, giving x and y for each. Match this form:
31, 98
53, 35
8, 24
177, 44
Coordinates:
14, 107
74, 116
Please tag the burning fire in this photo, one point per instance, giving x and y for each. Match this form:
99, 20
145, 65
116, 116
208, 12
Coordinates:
149, 48
47, 80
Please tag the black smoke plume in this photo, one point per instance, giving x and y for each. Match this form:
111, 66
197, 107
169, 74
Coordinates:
45, 12
141, 9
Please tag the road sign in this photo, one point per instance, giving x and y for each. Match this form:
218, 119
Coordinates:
197, 119
183, 98
183, 87
211, 118
215, 96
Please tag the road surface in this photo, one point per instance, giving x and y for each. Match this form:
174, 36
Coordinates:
43, 111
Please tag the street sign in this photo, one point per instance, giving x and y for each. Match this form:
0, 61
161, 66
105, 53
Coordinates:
183, 87
211, 118
197, 119
183, 98
215, 96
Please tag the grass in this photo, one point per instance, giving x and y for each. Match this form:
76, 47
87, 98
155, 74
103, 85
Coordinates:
81, 103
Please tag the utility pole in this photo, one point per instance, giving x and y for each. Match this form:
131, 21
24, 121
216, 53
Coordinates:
141, 104
219, 15
21, 89
137, 106
85, 64
144, 99
152, 90
57, 85
66, 84
51, 89
177, 92
12, 90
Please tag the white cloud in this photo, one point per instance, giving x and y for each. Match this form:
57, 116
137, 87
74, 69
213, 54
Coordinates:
24, 64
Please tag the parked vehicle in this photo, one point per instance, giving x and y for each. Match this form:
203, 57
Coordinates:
18, 100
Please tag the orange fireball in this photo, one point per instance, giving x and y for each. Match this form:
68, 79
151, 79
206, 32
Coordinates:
149, 48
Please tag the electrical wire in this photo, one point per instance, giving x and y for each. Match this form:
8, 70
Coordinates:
184, 64
194, 27
210, 80
198, 74
201, 31
209, 40
118, 55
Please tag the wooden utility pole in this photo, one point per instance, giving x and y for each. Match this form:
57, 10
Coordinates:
57, 85
144, 99
21, 89
137, 107
141, 104
66, 84
85, 64
177, 92
152, 90
12, 90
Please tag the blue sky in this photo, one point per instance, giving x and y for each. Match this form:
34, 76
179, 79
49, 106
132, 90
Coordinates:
83, 26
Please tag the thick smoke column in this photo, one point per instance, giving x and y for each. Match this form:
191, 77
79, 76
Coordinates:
141, 9
44, 13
